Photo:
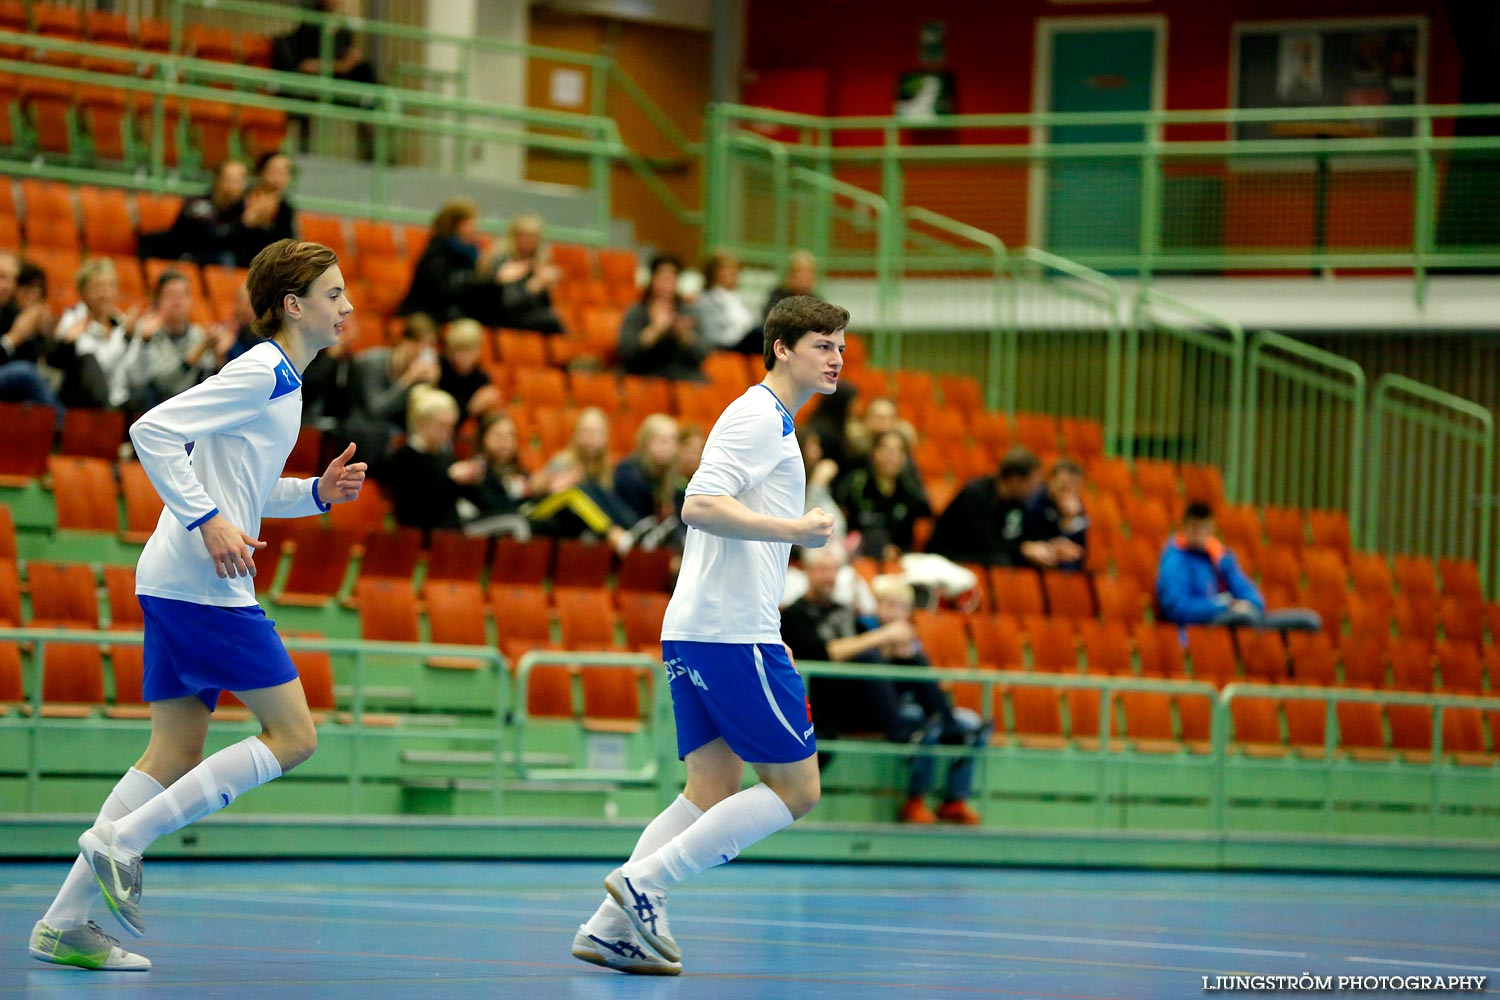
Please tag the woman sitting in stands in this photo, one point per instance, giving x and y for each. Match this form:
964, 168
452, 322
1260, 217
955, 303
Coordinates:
495, 482
659, 334
206, 226
265, 214
443, 284
92, 338
576, 487
724, 320
525, 278
646, 481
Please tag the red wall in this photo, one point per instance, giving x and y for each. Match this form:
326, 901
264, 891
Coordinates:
860, 46
864, 44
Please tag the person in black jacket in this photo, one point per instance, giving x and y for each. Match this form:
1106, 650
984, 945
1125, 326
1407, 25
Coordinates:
444, 281
264, 214
1054, 529
301, 51
658, 335
983, 523
420, 477
882, 501
523, 280
207, 227
643, 480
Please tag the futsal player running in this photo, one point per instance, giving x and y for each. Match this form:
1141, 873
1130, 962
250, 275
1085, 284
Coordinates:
736, 696
214, 454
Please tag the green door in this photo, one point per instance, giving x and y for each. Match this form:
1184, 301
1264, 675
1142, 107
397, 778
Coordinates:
1094, 205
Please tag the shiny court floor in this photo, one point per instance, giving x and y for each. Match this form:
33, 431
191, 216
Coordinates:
418, 930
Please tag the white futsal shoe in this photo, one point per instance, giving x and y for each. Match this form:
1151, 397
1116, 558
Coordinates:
647, 909
622, 951
119, 876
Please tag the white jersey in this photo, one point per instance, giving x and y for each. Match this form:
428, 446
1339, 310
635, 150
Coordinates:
728, 589
219, 448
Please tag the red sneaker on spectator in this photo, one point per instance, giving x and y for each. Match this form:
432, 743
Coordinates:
958, 812
916, 811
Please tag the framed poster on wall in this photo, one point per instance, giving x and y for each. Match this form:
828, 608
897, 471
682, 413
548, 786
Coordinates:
1311, 64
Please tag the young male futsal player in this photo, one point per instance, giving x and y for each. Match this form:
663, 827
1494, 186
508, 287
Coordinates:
736, 696
214, 454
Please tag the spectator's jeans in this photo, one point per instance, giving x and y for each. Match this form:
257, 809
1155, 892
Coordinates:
20, 382
1283, 620
963, 728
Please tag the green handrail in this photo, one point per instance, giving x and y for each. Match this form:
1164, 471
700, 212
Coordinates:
885, 269
520, 719
1315, 422
360, 650
1432, 475
1001, 353
1192, 348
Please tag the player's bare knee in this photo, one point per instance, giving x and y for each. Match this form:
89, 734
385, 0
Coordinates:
799, 797
291, 745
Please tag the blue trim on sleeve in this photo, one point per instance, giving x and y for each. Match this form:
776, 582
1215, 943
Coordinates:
324, 507
206, 517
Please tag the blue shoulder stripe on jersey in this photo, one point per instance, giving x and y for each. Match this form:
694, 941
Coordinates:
787, 424
287, 379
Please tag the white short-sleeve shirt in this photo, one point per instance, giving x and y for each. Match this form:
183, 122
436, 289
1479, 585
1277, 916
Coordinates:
728, 590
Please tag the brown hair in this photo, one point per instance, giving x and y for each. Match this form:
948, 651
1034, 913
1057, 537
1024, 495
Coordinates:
286, 267
716, 262
452, 214
795, 317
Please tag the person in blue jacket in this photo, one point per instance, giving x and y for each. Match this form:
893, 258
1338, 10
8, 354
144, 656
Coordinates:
1199, 582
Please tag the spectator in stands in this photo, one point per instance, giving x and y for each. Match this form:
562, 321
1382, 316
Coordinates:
421, 477
577, 489
301, 51
264, 214
830, 419
25, 332
92, 338
1054, 527
883, 500
207, 227
690, 441
821, 473
524, 278
443, 283
659, 335
644, 480
495, 481
880, 416
817, 627
460, 373
1199, 582
801, 276
983, 523
724, 321
381, 380
168, 352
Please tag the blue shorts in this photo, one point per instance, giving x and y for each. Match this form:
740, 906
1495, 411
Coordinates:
200, 649
750, 694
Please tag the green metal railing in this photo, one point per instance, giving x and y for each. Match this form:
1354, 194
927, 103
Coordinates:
1304, 428
1183, 387
606, 78
1400, 202
1431, 475
391, 113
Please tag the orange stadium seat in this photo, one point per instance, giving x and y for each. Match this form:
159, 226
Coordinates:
997, 641
521, 562
27, 442
318, 564
10, 594
454, 556
84, 493
72, 680
63, 595
1106, 648
455, 616
1017, 591
388, 611
1256, 726
522, 619
124, 608
142, 505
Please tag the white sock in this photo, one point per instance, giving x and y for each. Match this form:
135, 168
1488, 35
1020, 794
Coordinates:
204, 790
671, 821
79, 890
724, 831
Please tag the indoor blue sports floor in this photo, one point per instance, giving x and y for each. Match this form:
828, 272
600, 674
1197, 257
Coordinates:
417, 930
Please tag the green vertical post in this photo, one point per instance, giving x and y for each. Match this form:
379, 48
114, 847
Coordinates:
889, 245
1151, 182
820, 228
715, 177
599, 180
1424, 208
325, 74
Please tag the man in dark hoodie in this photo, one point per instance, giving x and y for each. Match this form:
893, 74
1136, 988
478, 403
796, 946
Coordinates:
1199, 582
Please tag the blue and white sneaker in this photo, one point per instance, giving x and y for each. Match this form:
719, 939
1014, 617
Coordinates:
623, 953
647, 910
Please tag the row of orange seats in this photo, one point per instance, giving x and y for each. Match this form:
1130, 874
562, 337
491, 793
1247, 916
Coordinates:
115, 28
1040, 716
